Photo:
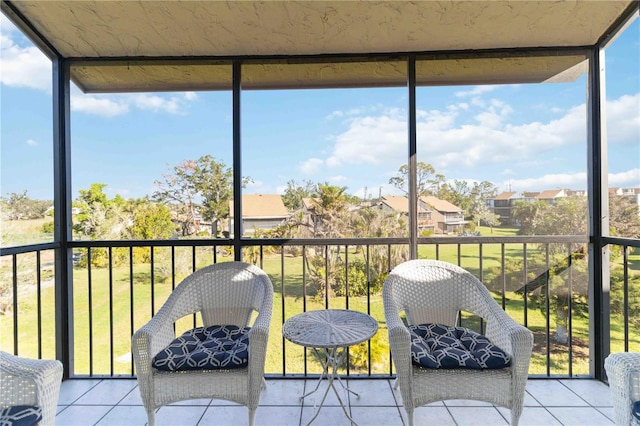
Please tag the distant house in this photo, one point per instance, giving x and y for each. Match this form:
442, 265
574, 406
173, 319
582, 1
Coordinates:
400, 206
501, 205
633, 193
434, 215
449, 218
550, 196
259, 211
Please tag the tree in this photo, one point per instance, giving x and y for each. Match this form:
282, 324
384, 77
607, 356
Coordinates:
457, 193
151, 221
293, 195
427, 181
94, 212
524, 214
19, 206
203, 186
482, 214
624, 216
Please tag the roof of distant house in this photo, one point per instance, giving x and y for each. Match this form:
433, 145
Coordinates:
396, 202
550, 194
440, 205
505, 196
261, 205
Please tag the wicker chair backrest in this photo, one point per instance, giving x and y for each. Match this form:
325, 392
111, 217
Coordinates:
431, 291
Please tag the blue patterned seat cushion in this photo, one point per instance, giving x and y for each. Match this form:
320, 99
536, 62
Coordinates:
445, 347
215, 347
20, 415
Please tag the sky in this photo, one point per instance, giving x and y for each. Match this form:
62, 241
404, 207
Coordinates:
520, 137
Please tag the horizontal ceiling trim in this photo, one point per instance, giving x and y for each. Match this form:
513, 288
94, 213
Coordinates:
334, 58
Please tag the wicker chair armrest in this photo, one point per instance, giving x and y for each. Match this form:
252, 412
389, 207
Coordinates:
400, 344
152, 337
623, 372
31, 381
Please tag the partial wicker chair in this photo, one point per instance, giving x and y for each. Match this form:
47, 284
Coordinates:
29, 389
226, 294
435, 292
623, 371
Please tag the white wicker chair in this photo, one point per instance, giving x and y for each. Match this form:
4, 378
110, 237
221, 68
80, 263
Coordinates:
224, 293
35, 382
623, 371
430, 291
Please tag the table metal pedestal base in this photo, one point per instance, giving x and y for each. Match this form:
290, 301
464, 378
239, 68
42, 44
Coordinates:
330, 359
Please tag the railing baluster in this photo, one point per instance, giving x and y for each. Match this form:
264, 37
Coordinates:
525, 280
39, 301
131, 304
14, 302
570, 309
282, 308
89, 310
625, 290
111, 340
547, 308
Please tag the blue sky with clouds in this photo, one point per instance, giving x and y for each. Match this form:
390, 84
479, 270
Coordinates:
521, 137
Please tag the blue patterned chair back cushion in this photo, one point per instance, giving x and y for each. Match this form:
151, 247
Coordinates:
20, 415
445, 347
636, 411
217, 347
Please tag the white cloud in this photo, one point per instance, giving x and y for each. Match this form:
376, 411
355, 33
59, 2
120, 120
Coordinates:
311, 166
490, 140
623, 119
31, 142
113, 105
628, 179
337, 179
371, 140
98, 105
172, 105
22, 66
477, 90
549, 181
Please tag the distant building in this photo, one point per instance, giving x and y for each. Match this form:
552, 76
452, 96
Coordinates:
449, 218
434, 215
259, 211
503, 204
400, 205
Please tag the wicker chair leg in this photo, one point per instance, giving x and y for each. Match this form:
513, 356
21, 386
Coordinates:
410, 417
252, 416
151, 417
515, 417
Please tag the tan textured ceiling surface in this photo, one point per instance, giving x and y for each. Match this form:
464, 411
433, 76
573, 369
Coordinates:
99, 29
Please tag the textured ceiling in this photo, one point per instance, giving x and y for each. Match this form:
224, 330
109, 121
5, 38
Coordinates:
252, 29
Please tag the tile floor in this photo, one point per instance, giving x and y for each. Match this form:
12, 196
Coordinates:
548, 402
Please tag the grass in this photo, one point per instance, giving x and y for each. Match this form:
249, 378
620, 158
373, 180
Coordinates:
23, 232
105, 307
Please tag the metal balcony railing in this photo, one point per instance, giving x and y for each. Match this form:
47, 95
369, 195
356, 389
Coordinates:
118, 285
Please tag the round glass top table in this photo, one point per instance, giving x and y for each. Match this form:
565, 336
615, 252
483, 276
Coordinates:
328, 333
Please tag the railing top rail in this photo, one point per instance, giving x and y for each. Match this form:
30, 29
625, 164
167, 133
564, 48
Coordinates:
630, 242
520, 239
29, 248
